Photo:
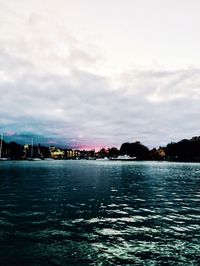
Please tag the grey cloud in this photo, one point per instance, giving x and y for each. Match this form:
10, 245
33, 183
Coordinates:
77, 107
56, 108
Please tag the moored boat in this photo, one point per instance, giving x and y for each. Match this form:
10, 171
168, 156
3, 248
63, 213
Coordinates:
1, 146
103, 159
32, 158
123, 158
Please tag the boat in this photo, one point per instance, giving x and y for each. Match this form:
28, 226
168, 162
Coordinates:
1, 146
123, 158
4, 159
91, 158
103, 159
33, 158
48, 159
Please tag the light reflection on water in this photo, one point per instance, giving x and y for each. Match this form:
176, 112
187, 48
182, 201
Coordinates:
99, 213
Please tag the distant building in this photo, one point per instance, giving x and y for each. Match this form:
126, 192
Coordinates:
56, 153
157, 154
161, 153
85, 154
26, 151
71, 154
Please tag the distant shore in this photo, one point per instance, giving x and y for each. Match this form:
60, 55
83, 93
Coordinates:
182, 151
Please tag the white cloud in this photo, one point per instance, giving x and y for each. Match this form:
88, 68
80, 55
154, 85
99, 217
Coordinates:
54, 85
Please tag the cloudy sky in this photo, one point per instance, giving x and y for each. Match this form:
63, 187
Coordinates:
91, 73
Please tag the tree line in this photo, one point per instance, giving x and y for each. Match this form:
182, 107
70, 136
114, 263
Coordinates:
185, 150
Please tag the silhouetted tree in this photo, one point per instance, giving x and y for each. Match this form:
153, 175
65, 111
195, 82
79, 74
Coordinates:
135, 149
184, 150
113, 152
16, 150
102, 153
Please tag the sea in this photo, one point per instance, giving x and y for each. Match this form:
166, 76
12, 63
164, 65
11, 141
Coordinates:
81, 212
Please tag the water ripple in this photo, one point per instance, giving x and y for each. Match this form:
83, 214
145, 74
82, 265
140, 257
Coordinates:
99, 213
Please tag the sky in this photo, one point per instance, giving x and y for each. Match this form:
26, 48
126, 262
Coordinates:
91, 74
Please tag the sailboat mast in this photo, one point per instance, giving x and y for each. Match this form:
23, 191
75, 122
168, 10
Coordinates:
32, 149
1, 144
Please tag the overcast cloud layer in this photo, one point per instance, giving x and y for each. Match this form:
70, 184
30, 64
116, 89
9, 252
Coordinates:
62, 89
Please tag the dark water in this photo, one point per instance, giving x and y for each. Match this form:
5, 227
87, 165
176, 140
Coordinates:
99, 213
